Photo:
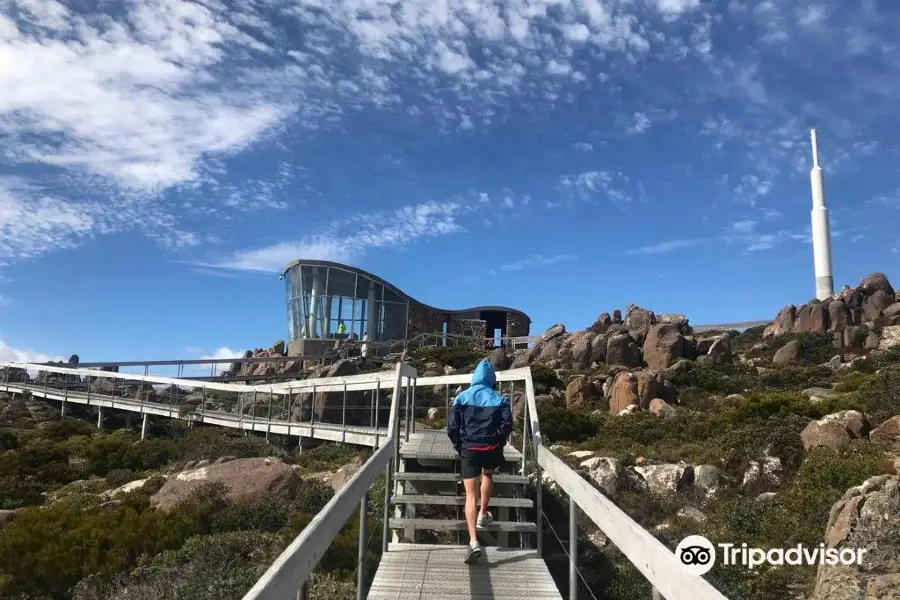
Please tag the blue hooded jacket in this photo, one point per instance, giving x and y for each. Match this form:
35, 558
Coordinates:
479, 416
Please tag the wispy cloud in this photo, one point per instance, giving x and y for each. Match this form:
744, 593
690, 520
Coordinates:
537, 260
345, 241
666, 247
609, 184
11, 354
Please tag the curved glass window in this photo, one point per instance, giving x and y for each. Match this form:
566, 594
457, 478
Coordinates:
329, 302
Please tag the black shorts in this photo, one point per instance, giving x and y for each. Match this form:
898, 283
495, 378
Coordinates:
473, 461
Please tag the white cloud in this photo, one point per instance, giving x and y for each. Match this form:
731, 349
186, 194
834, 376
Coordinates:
583, 146
665, 247
607, 183
641, 123
348, 240
537, 260
222, 352
10, 354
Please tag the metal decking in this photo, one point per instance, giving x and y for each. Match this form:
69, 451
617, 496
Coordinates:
437, 572
435, 445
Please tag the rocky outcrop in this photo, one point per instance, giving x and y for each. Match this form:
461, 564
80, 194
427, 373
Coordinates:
663, 346
622, 350
788, 353
872, 305
247, 480
666, 479
887, 434
636, 388
835, 431
582, 393
866, 517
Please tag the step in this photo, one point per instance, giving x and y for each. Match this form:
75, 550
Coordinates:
447, 500
460, 525
456, 477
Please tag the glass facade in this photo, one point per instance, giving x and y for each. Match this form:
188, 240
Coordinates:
329, 302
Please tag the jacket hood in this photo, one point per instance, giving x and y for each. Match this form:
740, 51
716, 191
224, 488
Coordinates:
484, 374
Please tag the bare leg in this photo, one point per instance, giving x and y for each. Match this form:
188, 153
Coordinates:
487, 486
471, 486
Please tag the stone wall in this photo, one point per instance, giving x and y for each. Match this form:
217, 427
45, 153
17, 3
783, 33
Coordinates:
477, 327
517, 324
423, 319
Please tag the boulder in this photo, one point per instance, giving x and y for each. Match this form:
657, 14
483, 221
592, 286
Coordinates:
855, 336
835, 431
788, 353
622, 350
666, 479
709, 479
553, 332
638, 322
623, 393
839, 317
660, 408
783, 323
6, 516
867, 516
767, 472
876, 303
892, 312
812, 318
602, 323
248, 480
598, 349
498, 359
890, 336
719, 352
887, 434
582, 393
606, 473
875, 282
663, 346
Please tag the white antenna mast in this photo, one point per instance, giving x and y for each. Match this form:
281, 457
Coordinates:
821, 232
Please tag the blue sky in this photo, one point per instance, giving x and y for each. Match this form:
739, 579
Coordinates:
161, 160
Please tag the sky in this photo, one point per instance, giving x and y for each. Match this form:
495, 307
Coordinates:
162, 160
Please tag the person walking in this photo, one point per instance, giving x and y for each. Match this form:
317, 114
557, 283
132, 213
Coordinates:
479, 426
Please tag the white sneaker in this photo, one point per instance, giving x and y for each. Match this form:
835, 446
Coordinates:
484, 520
474, 552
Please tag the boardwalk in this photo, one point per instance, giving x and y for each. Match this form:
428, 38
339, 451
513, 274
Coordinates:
437, 572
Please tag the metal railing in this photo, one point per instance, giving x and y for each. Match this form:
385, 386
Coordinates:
290, 572
288, 576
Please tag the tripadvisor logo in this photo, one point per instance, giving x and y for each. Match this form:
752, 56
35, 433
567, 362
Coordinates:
697, 555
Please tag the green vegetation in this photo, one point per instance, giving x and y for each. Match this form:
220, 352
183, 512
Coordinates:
458, 357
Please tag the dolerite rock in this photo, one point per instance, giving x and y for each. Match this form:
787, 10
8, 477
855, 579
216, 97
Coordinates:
598, 348
839, 317
892, 312
602, 323
876, 303
719, 352
788, 353
887, 434
617, 317
638, 322
835, 431
554, 331
867, 516
783, 323
875, 282
622, 350
498, 359
582, 393
664, 346
812, 318
623, 393
248, 480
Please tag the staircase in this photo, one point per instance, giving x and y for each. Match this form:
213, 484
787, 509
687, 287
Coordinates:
425, 559
428, 481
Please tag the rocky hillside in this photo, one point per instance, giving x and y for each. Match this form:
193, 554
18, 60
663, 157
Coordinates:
772, 437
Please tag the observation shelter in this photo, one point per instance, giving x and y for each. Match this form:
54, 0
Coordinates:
328, 301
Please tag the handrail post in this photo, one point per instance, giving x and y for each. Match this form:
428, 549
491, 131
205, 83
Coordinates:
361, 572
573, 550
344, 415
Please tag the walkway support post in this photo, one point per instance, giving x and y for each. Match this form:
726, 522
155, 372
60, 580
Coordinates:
144, 426
361, 572
573, 550
99, 417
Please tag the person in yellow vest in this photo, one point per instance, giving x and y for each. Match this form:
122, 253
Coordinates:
342, 329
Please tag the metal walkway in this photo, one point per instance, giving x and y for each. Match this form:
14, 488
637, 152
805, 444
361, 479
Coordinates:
422, 482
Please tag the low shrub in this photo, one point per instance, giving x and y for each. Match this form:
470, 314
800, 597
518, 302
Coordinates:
797, 377
545, 378
458, 357
559, 424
